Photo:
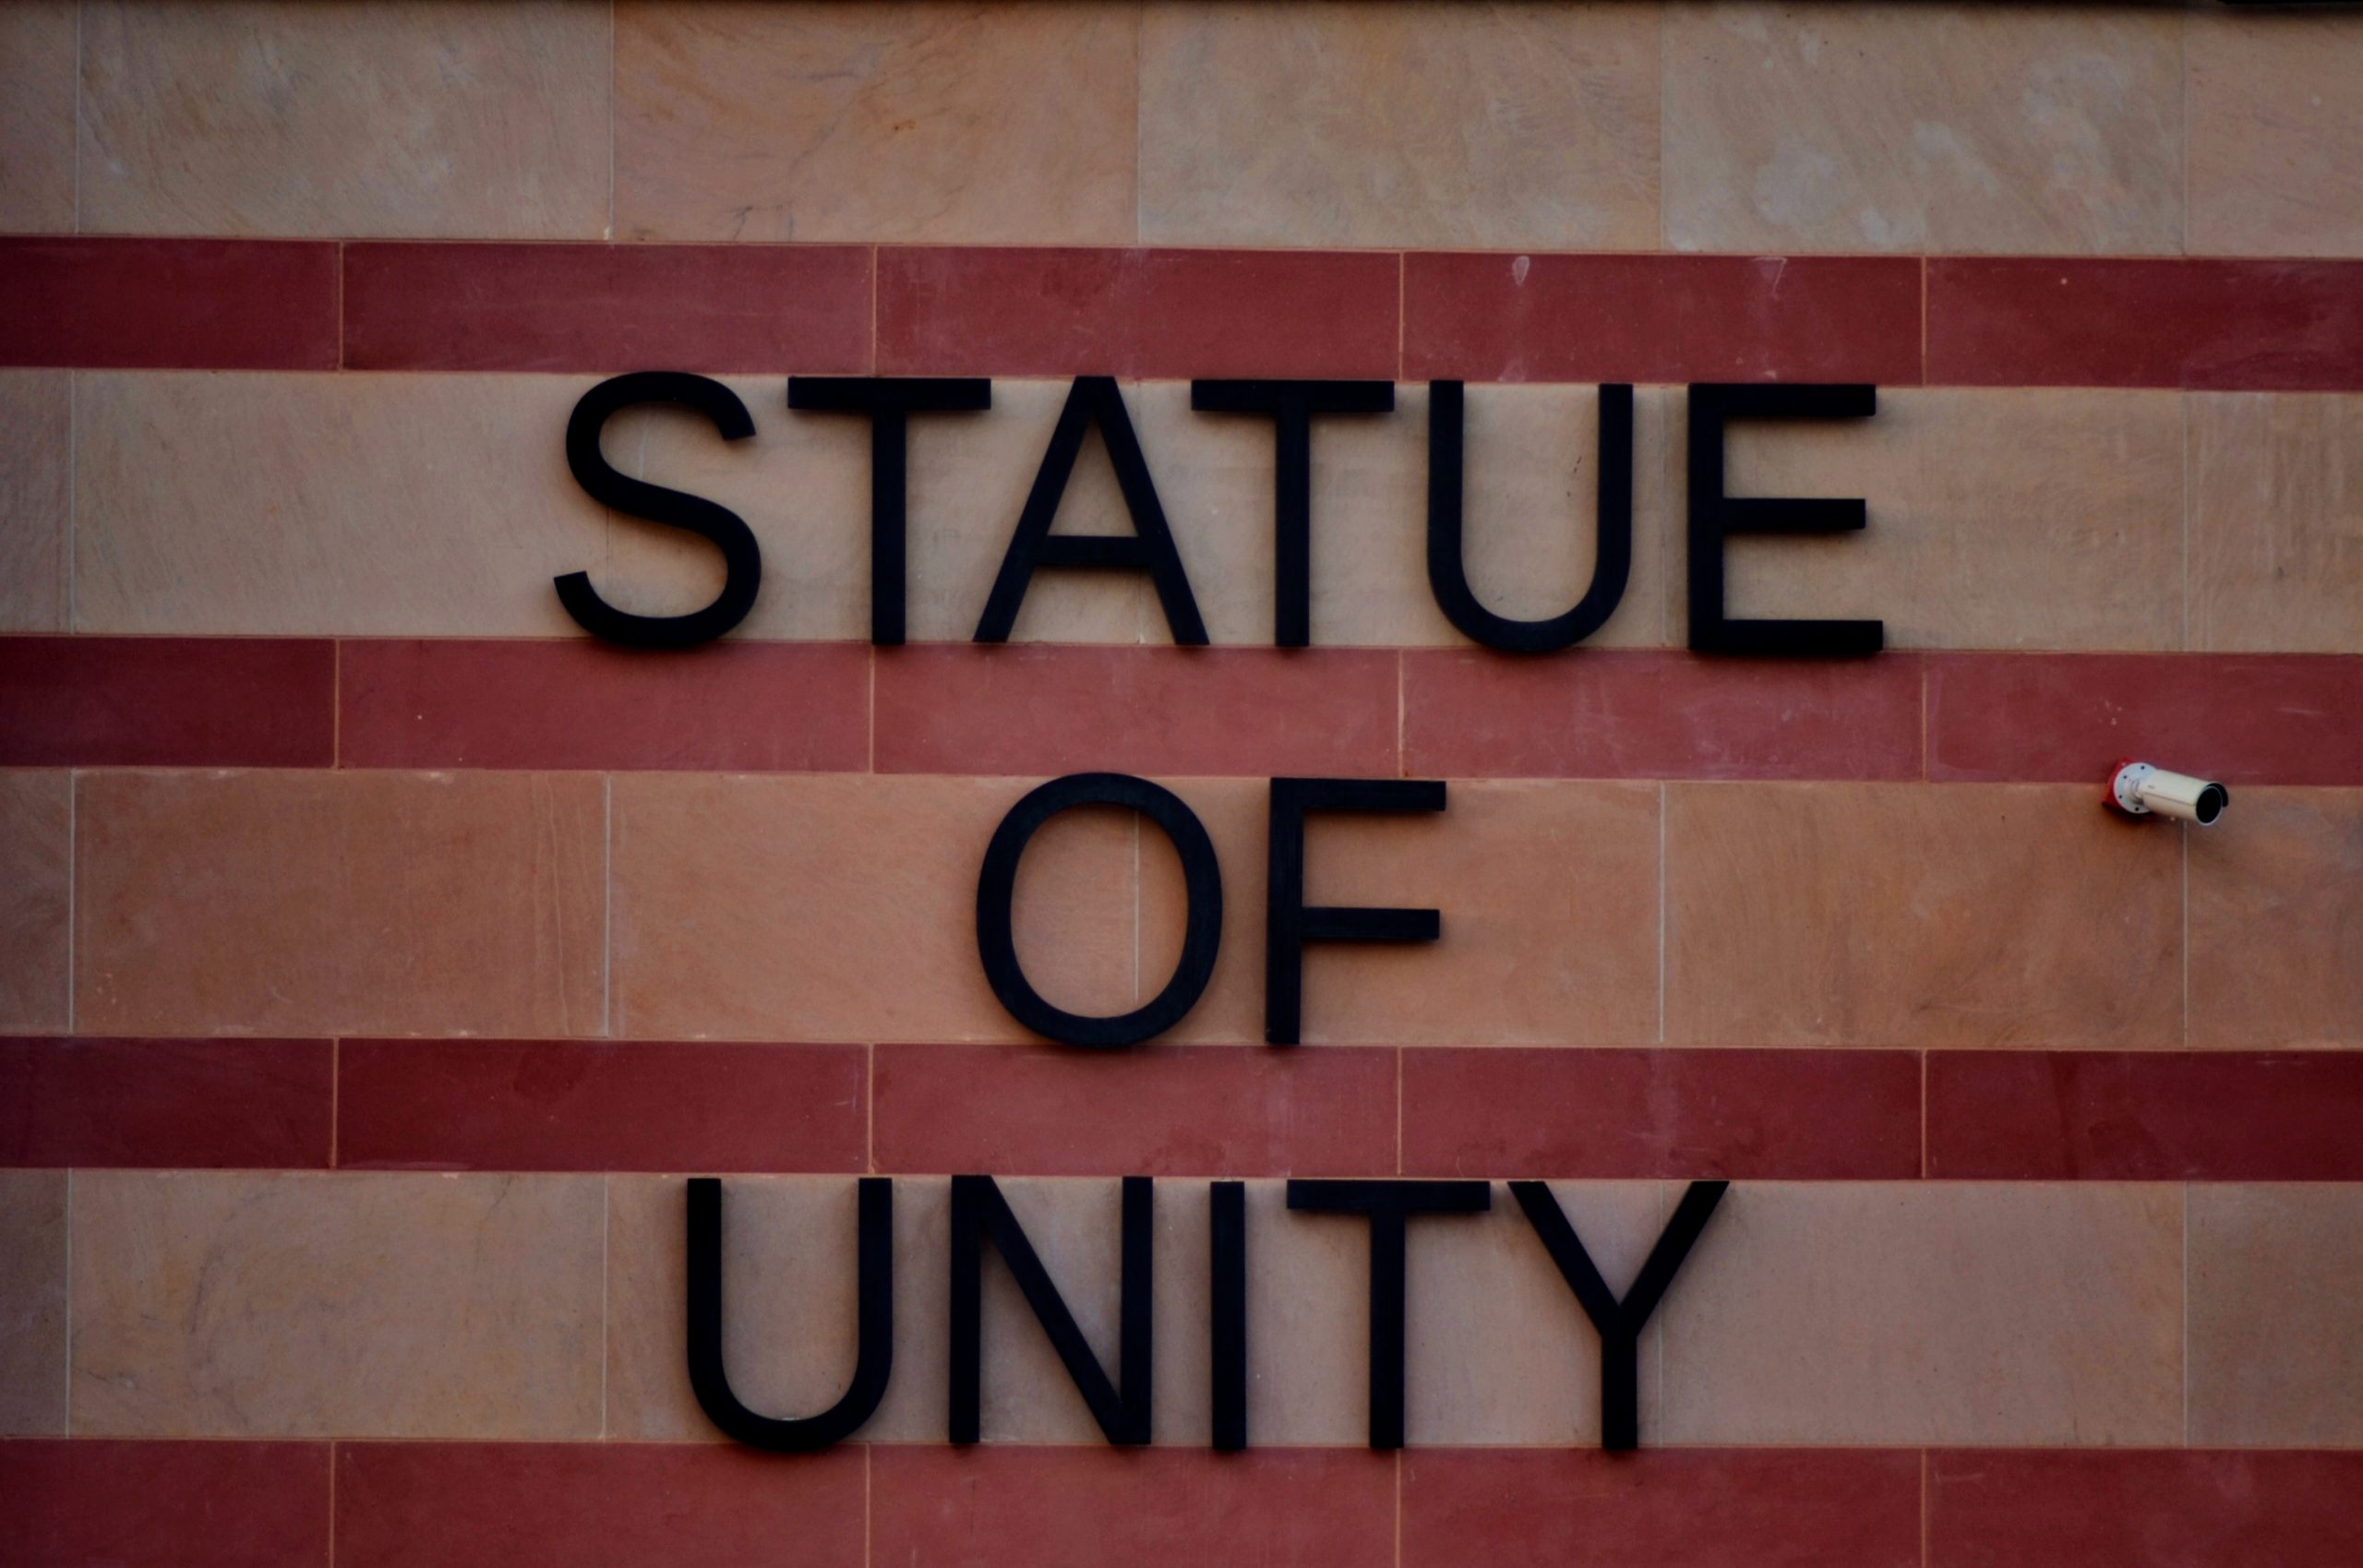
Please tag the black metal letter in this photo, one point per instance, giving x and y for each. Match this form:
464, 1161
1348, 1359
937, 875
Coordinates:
1093, 399
742, 559
979, 1212
872, 1362
1289, 923
1388, 1204
1201, 924
1619, 1323
889, 401
1714, 517
1226, 1255
1291, 405
1612, 532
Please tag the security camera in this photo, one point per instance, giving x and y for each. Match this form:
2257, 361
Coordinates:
2143, 789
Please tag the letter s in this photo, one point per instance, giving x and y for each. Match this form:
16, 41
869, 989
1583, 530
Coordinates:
742, 559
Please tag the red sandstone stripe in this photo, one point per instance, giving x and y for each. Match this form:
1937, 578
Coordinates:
1169, 1110
2145, 1116
1619, 714
1699, 1508
600, 1104
1776, 1115
746, 707
173, 1104
1146, 313
1037, 709
604, 307
2155, 1509
2292, 326
1091, 1507
166, 701
196, 304
2278, 719
594, 1506
1502, 317
94, 1503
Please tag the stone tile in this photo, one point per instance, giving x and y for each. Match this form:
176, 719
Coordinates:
2048, 519
1497, 1350
262, 1505
1375, 124
935, 123
2163, 1508
2276, 148
175, 1105
596, 1505
2276, 1334
415, 121
2277, 922
1161, 1110
2276, 524
1948, 128
843, 907
350, 504
339, 904
32, 1302
1700, 1507
1548, 896
37, 46
1917, 915
1930, 1313
36, 900
346, 1305
2202, 323
36, 480
1088, 1507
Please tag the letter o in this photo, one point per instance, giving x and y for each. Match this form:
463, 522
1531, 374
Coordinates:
1201, 929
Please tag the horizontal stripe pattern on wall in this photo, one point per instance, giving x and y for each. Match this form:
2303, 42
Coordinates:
1821, 1314
673, 905
957, 708
2265, 325
364, 504
270, 1506
1750, 128
1596, 1113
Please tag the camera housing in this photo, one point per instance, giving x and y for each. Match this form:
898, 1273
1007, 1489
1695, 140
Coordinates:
2144, 789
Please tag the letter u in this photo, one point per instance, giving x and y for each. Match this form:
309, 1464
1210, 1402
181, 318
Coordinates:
874, 1363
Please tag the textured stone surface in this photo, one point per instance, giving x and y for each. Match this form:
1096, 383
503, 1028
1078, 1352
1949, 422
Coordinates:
2007, 1313
35, 483
2276, 523
843, 907
2276, 921
1378, 124
37, 90
269, 1305
933, 122
32, 1302
1917, 915
276, 117
2276, 146
36, 899
351, 504
2277, 1338
345, 902
1946, 127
